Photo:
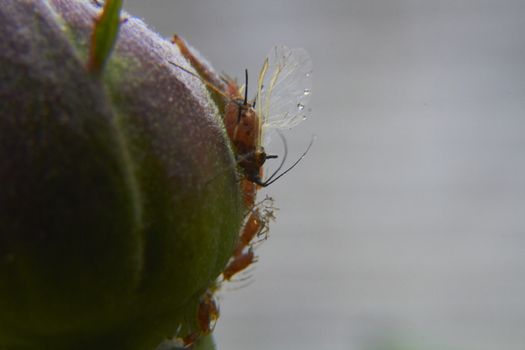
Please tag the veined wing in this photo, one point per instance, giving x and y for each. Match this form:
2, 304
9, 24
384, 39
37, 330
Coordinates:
284, 88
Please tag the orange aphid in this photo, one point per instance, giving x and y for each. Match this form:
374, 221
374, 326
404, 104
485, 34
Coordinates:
256, 225
251, 228
207, 313
242, 125
190, 339
238, 264
283, 90
240, 119
207, 316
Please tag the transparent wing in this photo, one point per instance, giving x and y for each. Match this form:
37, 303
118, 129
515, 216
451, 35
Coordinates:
284, 88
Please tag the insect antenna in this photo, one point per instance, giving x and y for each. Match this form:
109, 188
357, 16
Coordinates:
245, 102
246, 84
272, 177
204, 81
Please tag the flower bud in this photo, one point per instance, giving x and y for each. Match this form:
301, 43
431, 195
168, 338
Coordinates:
119, 203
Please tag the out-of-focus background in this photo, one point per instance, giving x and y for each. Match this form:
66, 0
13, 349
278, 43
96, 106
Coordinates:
404, 227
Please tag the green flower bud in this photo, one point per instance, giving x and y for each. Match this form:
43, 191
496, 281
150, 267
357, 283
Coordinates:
119, 203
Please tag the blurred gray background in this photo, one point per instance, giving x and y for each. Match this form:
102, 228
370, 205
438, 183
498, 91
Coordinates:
404, 228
